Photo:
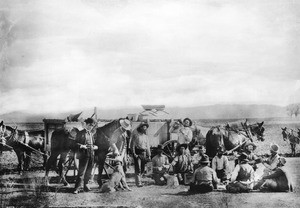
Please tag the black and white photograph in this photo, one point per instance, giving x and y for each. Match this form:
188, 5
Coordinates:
150, 103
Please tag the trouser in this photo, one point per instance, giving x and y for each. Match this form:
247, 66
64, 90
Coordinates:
140, 161
159, 179
237, 187
84, 171
201, 188
221, 174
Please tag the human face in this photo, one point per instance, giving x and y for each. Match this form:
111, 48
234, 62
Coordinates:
250, 148
187, 123
89, 127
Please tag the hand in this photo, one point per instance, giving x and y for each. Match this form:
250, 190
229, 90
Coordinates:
83, 146
95, 147
135, 155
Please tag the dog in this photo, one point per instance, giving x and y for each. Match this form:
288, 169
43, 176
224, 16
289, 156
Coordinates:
117, 180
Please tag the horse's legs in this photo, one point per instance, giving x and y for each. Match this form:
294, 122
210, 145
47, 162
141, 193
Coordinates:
20, 156
293, 146
61, 167
51, 162
101, 161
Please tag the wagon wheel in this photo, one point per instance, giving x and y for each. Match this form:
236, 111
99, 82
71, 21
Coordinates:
169, 149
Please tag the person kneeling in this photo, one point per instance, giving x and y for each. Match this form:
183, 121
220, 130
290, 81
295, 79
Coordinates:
204, 178
242, 176
278, 181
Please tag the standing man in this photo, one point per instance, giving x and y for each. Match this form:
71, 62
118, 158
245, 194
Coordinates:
185, 134
118, 142
141, 151
85, 153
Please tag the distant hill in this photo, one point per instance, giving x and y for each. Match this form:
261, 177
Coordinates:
200, 112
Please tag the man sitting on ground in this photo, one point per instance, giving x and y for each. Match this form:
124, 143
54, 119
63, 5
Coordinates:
278, 181
220, 164
242, 176
204, 178
182, 163
160, 164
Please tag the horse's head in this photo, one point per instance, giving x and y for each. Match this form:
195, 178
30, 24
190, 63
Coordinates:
258, 131
284, 133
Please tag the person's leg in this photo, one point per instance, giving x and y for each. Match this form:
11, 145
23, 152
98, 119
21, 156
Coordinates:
81, 172
88, 173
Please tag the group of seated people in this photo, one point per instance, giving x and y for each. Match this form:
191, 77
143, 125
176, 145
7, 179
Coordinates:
206, 174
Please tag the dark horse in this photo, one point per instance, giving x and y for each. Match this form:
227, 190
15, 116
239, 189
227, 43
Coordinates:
291, 138
23, 143
62, 142
232, 138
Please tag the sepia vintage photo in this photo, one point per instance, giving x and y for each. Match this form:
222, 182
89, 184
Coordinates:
147, 103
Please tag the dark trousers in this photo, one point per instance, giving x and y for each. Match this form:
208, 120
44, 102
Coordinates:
221, 174
139, 161
84, 171
201, 188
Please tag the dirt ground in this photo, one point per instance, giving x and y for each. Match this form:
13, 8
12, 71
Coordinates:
34, 194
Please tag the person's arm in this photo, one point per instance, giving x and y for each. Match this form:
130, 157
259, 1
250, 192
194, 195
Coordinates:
276, 174
235, 173
213, 164
189, 135
148, 148
273, 164
214, 177
226, 163
174, 161
133, 144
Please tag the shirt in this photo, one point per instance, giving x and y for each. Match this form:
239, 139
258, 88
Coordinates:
185, 134
119, 139
181, 163
272, 162
140, 141
242, 172
220, 163
159, 161
204, 174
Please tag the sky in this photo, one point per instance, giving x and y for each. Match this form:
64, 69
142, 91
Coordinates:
64, 55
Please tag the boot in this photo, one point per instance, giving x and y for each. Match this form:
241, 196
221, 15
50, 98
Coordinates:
138, 180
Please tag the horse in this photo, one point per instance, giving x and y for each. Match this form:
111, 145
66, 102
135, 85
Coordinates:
232, 138
291, 138
22, 143
62, 143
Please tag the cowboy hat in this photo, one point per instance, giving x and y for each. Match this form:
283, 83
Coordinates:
144, 124
188, 120
250, 143
125, 123
204, 160
274, 148
284, 129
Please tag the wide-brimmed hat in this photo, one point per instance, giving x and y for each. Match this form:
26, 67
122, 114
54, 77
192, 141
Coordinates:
188, 120
250, 143
204, 159
274, 148
284, 129
144, 124
125, 123
90, 121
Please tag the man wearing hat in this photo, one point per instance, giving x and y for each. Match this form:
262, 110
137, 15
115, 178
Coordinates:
271, 162
184, 132
141, 151
249, 147
242, 177
220, 164
278, 181
160, 163
204, 178
118, 139
85, 153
